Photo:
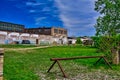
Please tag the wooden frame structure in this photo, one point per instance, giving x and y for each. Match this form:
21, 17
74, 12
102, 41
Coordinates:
56, 60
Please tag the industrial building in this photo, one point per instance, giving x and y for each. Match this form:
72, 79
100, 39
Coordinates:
11, 33
11, 27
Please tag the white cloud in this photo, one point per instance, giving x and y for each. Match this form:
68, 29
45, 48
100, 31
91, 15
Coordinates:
78, 16
32, 11
39, 19
46, 9
34, 3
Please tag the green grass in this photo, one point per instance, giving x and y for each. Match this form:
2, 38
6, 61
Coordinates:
33, 64
16, 45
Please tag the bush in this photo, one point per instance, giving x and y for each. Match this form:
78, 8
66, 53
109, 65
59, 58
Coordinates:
96, 41
78, 41
106, 44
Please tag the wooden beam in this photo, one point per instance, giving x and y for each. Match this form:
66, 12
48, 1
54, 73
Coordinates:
79, 57
64, 75
51, 66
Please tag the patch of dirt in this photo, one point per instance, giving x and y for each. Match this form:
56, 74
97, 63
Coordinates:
26, 48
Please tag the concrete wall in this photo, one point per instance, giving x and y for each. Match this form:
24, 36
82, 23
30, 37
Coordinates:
10, 37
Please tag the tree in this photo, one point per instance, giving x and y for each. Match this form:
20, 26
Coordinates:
79, 41
109, 21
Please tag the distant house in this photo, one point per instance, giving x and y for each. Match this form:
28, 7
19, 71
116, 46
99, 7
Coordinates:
86, 40
72, 40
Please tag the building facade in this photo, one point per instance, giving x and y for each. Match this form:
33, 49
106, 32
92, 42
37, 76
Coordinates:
42, 31
11, 27
10, 33
57, 32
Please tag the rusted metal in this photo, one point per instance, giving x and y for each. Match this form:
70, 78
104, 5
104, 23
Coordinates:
79, 57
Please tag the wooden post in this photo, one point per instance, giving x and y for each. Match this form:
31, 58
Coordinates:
1, 63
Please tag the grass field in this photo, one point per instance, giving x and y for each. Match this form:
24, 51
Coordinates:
33, 64
16, 46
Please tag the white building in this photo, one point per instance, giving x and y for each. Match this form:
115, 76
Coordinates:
3, 36
13, 37
72, 40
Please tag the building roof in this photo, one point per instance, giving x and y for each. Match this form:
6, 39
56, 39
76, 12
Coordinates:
40, 28
71, 37
11, 23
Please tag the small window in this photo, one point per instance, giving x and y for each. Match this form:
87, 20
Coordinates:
40, 30
55, 30
46, 30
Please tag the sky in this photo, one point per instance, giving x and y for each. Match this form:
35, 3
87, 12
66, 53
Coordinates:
77, 16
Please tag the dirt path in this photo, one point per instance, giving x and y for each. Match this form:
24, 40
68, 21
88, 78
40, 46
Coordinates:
26, 48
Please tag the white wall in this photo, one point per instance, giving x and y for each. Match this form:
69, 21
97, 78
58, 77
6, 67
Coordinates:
14, 36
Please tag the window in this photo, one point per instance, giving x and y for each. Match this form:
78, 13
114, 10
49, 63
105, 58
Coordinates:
40, 30
60, 31
65, 32
55, 30
46, 30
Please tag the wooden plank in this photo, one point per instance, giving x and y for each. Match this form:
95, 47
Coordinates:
51, 66
64, 75
79, 57
106, 61
98, 61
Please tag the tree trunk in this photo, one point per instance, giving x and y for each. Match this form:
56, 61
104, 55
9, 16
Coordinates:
115, 56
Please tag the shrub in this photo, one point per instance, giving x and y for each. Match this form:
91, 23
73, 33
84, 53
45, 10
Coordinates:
96, 41
78, 41
106, 44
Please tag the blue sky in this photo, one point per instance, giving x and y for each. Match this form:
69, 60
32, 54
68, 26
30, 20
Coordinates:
77, 16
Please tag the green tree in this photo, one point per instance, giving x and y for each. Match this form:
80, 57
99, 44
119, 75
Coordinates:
78, 41
109, 21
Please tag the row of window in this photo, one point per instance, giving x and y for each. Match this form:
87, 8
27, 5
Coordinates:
11, 25
40, 30
60, 31
11, 28
20, 28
